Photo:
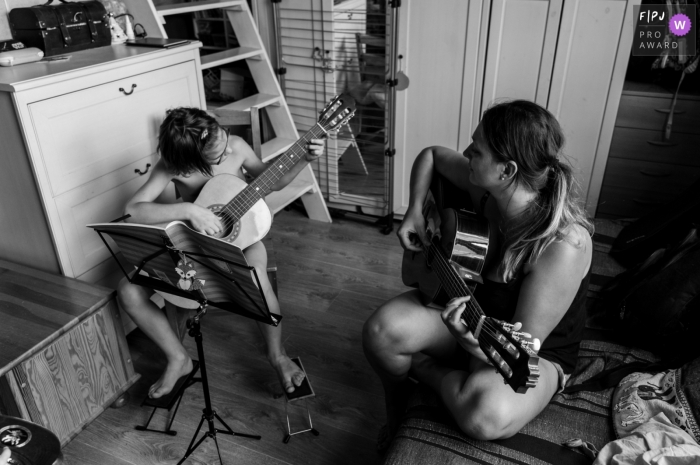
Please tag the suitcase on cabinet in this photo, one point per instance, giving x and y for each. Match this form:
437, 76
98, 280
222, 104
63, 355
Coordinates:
64, 28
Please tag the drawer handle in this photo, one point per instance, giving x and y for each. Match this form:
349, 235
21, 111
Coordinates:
133, 86
654, 175
141, 173
666, 111
646, 202
661, 143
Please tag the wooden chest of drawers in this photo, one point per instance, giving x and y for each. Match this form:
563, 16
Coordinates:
77, 137
63, 353
643, 172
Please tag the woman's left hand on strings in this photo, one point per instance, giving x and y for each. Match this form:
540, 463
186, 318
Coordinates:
314, 149
452, 317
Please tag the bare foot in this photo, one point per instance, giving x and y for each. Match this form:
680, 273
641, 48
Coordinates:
173, 372
288, 372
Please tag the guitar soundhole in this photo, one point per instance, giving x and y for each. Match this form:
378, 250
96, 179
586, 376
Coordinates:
230, 229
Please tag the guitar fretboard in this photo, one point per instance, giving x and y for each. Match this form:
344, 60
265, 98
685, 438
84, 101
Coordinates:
454, 285
262, 185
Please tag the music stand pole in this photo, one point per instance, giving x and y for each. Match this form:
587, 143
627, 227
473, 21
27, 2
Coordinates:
193, 324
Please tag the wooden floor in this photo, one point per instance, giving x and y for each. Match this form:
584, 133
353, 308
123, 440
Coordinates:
331, 278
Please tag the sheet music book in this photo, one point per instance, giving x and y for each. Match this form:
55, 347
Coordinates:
193, 264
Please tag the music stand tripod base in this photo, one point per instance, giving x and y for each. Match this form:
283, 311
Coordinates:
169, 400
305, 391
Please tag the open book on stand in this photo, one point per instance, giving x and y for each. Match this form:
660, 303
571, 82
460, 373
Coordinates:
186, 267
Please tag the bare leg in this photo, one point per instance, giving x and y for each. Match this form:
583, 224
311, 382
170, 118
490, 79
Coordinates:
397, 330
135, 300
289, 374
480, 403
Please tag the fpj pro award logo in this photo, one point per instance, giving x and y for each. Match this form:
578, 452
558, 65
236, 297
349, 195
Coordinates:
663, 28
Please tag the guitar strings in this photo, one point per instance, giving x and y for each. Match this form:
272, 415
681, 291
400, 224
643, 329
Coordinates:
250, 195
460, 288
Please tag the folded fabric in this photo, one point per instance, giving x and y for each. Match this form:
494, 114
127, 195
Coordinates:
657, 441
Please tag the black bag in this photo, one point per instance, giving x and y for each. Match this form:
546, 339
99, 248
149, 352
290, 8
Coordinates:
658, 229
64, 28
656, 305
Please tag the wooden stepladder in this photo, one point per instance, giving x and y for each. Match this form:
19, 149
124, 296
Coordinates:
269, 94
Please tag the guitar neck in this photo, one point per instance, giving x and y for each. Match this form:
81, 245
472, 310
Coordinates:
455, 287
262, 185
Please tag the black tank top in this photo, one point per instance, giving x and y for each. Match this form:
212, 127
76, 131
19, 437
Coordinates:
499, 300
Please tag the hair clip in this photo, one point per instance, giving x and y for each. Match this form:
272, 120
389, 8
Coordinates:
205, 133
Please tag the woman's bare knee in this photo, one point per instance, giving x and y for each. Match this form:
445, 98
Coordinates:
383, 329
486, 420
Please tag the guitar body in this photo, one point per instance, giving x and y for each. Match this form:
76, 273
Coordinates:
463, 237
253, 225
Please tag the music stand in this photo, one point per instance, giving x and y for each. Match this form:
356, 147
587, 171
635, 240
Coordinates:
178, 253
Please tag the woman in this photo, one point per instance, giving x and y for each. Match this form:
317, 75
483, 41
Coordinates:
535, 273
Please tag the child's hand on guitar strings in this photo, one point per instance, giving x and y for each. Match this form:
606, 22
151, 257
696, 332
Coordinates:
412, 232
314, 149
452, 317
203, 220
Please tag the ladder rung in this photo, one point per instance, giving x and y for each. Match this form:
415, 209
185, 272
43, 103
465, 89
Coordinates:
257, 101
295, 189
177, 8
276, 146
229, 56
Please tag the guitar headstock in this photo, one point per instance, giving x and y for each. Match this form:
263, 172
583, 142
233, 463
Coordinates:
511, 353
337, 112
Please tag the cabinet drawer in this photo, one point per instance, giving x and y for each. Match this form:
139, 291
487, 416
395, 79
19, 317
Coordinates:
620, 202
657, 179
86, 134
99, 201
644, 144
650, 113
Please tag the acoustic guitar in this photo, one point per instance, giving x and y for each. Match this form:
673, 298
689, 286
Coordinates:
451, 267
245, 217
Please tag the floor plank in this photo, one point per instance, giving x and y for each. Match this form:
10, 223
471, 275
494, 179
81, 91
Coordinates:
331, 278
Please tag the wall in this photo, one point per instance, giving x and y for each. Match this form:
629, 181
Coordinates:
6, 6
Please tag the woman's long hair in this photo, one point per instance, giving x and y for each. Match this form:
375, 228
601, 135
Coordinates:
183, 137
524, 132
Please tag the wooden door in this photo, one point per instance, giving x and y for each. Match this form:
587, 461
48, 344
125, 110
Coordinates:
594, 44
306, 36
521, 47
442, 48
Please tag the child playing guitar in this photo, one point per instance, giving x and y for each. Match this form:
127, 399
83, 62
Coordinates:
193, 149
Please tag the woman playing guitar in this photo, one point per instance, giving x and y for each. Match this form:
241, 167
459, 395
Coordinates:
536, 273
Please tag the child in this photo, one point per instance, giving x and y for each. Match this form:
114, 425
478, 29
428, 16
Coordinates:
193, 148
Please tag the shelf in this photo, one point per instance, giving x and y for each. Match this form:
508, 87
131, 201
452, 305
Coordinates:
254, 101
229, 56
295, 189
190, 7
275, 147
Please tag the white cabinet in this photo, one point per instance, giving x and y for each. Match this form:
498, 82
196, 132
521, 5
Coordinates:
568, 56
77, 139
